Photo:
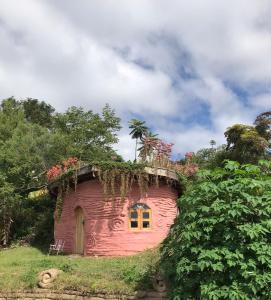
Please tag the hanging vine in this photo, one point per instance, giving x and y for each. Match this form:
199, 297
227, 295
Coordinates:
59, 204
61, 176
116, 178
122, 175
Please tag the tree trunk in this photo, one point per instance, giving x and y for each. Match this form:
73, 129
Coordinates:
136, 151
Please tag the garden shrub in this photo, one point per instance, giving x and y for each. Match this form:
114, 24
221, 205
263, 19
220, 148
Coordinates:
34, 222
220, 244
140, 273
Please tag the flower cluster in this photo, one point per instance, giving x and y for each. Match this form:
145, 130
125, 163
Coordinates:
188, 170
54, 172
163, 149
57, 170
189, 155
157, 149
70, 162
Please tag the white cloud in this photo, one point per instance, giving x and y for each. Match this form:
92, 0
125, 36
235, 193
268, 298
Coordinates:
261, 102
173, 63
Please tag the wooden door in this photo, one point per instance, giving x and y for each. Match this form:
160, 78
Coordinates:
79, 231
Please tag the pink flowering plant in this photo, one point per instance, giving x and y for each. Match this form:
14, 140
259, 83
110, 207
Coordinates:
188, 168
55, 171
156, 151
158, 154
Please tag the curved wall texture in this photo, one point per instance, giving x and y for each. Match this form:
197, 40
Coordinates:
106, 222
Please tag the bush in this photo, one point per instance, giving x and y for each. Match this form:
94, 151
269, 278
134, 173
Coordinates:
34, 222
140, 272
220, 244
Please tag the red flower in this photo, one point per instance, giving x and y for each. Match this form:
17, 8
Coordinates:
56, 170
189, 155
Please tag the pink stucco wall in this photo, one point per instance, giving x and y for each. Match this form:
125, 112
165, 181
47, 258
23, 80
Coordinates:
106, 223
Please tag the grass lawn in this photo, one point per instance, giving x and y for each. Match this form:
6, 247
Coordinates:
19, 268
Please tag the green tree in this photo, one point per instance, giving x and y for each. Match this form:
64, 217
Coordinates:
32, 139
11, 114
139, 129
89, 135
263, 126
25, 157
212, 143
211, 158
38, 112
8, 204
220, 244
245, 144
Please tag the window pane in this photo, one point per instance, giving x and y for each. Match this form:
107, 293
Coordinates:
133, 214
134, 224
146, 215
146, 224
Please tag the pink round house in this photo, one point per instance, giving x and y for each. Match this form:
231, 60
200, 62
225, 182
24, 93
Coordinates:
90, 224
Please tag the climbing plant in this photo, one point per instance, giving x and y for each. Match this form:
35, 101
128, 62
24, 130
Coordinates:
122, 175
61, 175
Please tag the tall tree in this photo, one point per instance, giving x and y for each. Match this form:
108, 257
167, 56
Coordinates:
32, 139
38, 112
245, 144
26, 155
263, 126
89, 135
139, 129
8, 203
11, 114
212, 143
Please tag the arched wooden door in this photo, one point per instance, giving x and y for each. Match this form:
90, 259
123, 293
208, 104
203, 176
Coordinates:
79, 231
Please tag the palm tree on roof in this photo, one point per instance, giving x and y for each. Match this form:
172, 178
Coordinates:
139, 129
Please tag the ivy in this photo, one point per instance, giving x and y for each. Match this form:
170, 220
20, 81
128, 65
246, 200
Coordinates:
112, 175
121, 174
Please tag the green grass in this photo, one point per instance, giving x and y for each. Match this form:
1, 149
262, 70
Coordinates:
20, 266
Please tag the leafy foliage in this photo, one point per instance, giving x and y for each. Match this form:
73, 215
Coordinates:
121, 175
211, 158
34, 221
38, 112
8, 202
88, 135
220, 244
263, 124
33, 138
245, 144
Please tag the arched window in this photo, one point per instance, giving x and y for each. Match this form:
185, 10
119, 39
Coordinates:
139, 217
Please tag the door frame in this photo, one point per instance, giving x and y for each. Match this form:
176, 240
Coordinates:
79, 210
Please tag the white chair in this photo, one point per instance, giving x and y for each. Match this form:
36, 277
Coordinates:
57, 247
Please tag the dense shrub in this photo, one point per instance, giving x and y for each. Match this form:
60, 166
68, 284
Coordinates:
34, 221
220, 244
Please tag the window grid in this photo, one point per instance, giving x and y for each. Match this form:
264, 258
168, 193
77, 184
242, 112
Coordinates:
143, 219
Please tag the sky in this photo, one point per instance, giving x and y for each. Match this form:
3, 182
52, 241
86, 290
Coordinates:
189, 68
